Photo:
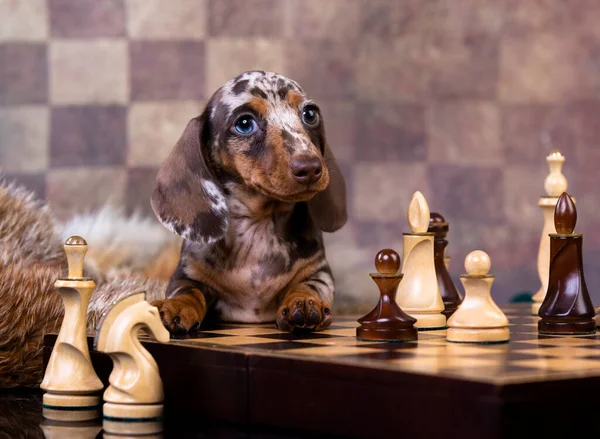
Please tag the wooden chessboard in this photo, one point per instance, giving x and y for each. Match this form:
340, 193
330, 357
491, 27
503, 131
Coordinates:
330, 382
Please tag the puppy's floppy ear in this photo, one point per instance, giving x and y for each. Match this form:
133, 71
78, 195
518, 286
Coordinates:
187, 198
328, 208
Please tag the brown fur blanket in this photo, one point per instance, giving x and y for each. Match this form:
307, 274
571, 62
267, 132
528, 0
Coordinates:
125, 254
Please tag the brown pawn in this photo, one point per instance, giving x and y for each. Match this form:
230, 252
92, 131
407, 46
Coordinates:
450, 296
567, 308
387, 322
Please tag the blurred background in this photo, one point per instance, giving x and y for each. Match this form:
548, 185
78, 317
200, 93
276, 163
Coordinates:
460, 100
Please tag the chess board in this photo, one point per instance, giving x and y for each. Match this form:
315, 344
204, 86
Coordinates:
527, 357
329, 382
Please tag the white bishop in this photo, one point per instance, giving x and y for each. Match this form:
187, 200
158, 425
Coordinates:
419, 294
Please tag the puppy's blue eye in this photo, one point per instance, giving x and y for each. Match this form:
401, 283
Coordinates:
310, 116
245, 125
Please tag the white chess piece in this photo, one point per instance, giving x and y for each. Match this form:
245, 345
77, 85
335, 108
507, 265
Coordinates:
418, 294
554, 184
478, 319
78, 430
71, 384
135, 393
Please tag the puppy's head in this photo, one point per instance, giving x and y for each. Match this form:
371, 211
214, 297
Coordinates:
261, 129
266, 131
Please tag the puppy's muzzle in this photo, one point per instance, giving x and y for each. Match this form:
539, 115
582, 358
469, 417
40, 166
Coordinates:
306, 169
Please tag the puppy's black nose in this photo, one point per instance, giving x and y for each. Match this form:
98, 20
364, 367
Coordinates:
306, 169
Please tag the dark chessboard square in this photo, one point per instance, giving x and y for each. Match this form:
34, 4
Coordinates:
517, 356
199, 335
519, 336
383, 356
140, 184
167, 70
457, 185
220, 327
23, 74
516, 346
333, 78
279, 346
211, 325
292, 336
407, 346
399, 129
245, 18
87, 18
79, 136
32, 182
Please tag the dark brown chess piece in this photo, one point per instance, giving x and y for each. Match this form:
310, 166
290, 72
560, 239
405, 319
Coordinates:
450, 296
567, 308
387, 322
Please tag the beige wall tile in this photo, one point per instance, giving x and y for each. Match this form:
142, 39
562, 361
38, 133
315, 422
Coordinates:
157, 19
338, 117
399, 69
381, 192
89, 72
154, 128
464, 133
228, 57
521, 185
24, 139
548, 67
23, 20
75, 190
318, 19
246, 18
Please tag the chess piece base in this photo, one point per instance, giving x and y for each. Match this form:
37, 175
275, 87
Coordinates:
386, 334
64, 429
428, 321
59, 407
157, 435
567, 328
132, 418
535, 308
474, 335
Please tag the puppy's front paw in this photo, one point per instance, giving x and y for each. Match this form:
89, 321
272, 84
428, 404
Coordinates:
181, 314
303, 309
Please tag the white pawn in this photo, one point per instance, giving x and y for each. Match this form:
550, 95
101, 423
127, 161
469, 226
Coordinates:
478, 319
418, 294
554, 184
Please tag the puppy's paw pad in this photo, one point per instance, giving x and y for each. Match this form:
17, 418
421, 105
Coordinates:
303, 311
178, 315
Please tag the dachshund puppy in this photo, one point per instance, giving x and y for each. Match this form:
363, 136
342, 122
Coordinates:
250, 186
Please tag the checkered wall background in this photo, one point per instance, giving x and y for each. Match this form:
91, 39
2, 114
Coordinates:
461, 100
